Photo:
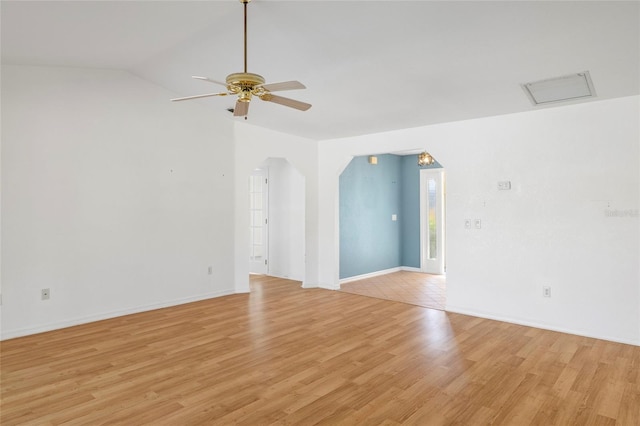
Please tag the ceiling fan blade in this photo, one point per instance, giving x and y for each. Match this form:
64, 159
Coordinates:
302, 106
210, 80
241, 109
186, 98
285, 85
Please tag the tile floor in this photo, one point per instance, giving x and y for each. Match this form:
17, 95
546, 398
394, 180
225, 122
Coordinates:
415, 288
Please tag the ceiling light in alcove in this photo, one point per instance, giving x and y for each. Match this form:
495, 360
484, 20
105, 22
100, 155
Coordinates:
559, 89
425, 159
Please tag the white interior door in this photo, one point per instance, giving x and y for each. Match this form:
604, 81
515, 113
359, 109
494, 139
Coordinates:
258, 222
432, 198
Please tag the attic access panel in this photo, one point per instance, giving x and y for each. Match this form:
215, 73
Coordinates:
560, 89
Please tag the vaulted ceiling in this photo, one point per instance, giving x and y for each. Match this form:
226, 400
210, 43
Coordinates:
369, 66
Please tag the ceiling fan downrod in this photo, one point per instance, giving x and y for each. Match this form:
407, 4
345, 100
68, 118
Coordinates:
245, 2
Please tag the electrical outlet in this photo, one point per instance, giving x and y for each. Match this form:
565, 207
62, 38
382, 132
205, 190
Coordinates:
546, 291
210, 270
504, 185
467, 224
478, 223
45, 294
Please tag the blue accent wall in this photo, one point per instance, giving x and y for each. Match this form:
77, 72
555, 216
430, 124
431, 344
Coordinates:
410, 230
369, 194
410, 247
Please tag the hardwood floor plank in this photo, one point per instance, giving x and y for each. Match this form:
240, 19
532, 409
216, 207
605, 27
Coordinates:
287, 355
629, 412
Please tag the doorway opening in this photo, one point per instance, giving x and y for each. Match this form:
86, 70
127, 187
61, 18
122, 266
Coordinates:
392, 234
277, 220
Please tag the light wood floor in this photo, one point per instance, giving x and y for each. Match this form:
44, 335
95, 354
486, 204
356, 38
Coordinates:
285, 355
415, 288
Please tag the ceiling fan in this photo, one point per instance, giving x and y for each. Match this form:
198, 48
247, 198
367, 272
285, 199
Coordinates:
247, 85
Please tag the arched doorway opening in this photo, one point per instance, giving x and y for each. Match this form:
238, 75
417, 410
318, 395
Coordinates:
277, 220
391, 229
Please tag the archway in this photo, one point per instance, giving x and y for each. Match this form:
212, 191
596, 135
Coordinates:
277, 220
380, 237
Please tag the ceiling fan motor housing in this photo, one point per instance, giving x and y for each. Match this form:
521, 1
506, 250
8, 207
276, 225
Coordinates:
245, 85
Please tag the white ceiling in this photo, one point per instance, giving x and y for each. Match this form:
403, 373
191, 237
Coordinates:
369, 66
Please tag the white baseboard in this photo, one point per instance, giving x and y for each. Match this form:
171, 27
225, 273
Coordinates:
378, 273
369, 275
463, 311
10, 334
327, 286
307, 284
410, 269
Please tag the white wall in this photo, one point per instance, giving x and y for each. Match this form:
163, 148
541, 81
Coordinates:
118, 201
113, 197
286, 220
568, 166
